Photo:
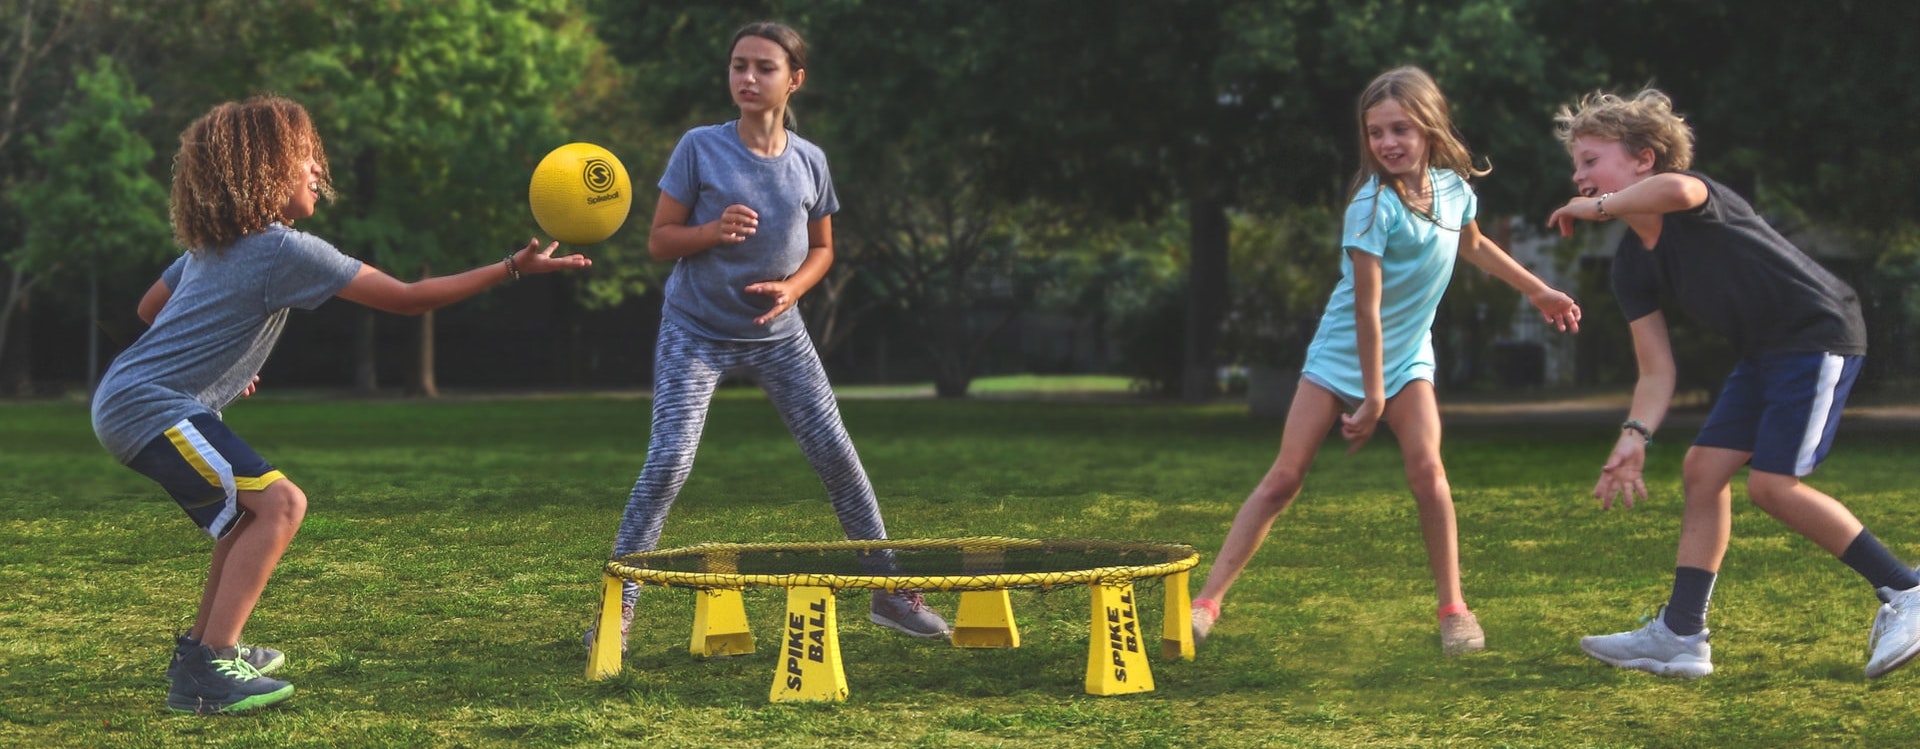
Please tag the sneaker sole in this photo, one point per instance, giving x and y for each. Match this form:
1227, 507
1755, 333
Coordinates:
1896, 662
1675, 669
271, 666
1452, 649
203, 707
901, 628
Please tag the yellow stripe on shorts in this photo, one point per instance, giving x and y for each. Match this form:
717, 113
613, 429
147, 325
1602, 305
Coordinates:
254, 484
193, 456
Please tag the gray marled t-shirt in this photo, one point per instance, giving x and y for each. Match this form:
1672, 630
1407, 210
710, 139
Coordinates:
710, 170
214, 333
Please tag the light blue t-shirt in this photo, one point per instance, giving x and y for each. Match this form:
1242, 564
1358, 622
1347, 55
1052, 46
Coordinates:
1416, 262
215, 331
709, 170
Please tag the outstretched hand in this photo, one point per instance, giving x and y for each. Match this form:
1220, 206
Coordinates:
532, 260
1558, 309
784, 295
1622, 476
1579, 208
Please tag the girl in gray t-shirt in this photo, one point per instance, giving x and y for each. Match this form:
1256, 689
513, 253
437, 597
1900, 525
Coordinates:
244, 174
745, 213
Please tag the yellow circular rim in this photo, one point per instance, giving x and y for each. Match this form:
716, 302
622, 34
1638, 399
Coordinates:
630, 566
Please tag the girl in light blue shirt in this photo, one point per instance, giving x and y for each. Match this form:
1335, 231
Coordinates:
1410, 215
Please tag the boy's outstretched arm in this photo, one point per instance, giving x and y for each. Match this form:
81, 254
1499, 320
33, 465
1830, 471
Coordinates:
374, 288
1665, 193
1558, 309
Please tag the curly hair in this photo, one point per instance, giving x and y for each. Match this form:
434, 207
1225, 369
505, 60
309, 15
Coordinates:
1417, 94
1646, 121
238, 166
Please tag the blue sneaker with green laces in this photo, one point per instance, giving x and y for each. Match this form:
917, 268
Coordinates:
209, 682
264, 660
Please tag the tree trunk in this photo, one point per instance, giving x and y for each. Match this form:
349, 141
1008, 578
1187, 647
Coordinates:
1206, 293
366, 372
17, 378
424, 384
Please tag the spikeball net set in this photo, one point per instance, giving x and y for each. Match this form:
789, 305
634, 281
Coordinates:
982, 569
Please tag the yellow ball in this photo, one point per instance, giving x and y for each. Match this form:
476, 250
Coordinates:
580, 194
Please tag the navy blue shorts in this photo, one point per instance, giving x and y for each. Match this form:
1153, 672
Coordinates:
1783, 408
204, 465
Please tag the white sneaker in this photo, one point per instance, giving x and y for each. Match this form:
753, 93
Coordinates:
1896, 632
1656, 650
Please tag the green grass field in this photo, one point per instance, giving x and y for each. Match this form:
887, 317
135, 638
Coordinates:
436, 595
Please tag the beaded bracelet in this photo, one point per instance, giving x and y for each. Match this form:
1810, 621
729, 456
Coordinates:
1634, 425
513, 271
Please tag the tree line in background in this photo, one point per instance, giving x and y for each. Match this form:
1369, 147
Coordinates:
1165, 174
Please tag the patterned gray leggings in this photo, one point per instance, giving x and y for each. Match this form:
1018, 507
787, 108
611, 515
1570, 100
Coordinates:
687, 369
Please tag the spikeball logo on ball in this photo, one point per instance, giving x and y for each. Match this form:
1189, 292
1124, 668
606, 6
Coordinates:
580, 194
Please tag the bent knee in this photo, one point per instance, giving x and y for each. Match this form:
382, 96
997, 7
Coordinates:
1280, 485
281, 503
1772, 490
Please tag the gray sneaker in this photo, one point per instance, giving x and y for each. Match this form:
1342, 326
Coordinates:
1655, 650
1460, 634
906, 611
1896, 632
209, 681
264, 660
1205, 613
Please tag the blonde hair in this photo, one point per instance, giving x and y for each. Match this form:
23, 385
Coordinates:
1645, 121
237, 167
1420, 98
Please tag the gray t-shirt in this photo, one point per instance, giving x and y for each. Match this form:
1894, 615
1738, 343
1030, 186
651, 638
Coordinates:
710, 170
214, 333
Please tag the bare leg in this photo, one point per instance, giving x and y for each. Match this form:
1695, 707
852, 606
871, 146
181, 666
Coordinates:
247, 558
1707, 522
1313, 413
1414, 416
1808, 511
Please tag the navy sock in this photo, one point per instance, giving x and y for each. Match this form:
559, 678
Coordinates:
1686, 612
1867, 556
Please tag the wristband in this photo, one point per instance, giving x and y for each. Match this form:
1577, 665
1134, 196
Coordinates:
513, 271
1634, 425
1600, 208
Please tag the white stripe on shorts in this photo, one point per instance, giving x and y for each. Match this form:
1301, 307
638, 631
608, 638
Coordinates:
221, 467
1816, 429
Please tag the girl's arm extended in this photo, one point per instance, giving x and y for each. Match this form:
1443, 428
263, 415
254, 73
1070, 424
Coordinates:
1558, 309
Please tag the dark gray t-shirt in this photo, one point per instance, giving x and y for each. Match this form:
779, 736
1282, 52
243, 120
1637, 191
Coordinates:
710, 170
1736, 276
214, 333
